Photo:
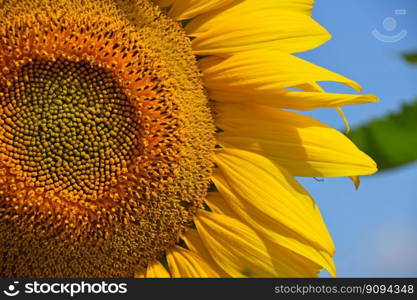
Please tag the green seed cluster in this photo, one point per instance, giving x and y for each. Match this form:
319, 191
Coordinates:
69, 126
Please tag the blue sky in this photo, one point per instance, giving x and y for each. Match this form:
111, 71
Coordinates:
375, 228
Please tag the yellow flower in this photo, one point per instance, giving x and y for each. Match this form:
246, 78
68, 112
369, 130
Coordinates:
149, 138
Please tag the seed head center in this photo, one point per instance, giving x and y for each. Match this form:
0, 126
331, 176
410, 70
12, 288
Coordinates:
68, 127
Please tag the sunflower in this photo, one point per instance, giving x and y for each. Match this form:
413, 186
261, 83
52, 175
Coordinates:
153, 139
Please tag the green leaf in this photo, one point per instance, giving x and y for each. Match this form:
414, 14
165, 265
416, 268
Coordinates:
411, 58
391, 141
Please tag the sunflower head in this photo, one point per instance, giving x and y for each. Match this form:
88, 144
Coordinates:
105, 137
114, 163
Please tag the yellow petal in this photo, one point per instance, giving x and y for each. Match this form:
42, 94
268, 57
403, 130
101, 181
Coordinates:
356, 181
234, 246
302, 145
310, 87
218, 204
184, 263
233, 30
263, 70
292, 99
302, 6
344, 118
157, 270
154, 270
272, 201
240, 251
186, 9
195, 244
292, 264
210, 20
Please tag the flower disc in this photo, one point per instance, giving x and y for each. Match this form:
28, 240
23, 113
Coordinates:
105, 137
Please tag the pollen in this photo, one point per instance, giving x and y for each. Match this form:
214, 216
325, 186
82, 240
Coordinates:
105, 137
